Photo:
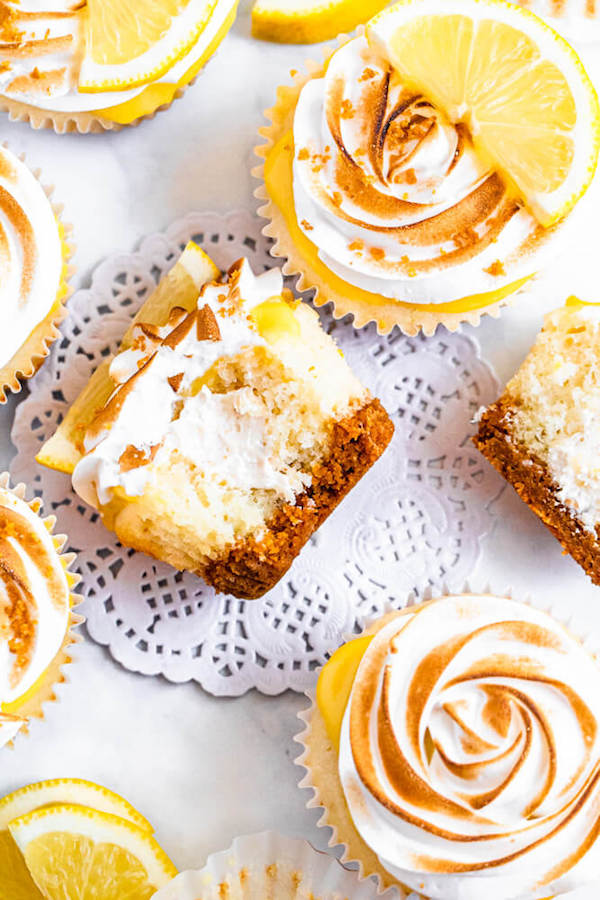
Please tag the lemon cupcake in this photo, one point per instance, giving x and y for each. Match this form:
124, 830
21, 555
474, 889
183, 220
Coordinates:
36, 615
33, 272
91, 66
401, 182
455, 748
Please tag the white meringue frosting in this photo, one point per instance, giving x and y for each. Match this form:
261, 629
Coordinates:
42, 45
31, 258
162, 405
470, 751
394, 195
34, 605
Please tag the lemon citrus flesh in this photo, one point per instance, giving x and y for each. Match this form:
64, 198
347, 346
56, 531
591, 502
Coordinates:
521, 90
129, 43
309, 21
78, 853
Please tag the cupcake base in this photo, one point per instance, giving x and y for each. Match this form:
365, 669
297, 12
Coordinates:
301, 254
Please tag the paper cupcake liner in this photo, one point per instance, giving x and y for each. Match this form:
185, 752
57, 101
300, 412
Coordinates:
33, 351
94, 122
54, 675
270, 865
409, 318
76, 123
319, 757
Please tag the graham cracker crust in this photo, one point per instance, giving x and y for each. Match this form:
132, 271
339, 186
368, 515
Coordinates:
531, 480
252, 567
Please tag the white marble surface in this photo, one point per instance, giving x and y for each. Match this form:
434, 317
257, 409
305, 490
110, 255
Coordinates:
205, 770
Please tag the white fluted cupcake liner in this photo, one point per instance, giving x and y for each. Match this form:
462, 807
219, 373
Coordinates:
258, 866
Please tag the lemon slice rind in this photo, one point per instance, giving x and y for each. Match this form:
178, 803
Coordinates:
584, 138
182, 35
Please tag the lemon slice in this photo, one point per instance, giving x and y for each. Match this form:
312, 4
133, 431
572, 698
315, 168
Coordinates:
78, 853
15, 881
180, 287
129, 43
309, 21
518, 86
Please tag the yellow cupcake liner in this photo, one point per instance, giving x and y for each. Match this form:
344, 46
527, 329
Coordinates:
319, 756
31, 705
313, 275
28, 358
116, 118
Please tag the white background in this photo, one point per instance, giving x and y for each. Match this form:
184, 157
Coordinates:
204, 770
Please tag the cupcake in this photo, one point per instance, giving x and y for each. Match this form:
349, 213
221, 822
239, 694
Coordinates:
225, 431
36, 616
455, 748
92, 66
269, 865
33, 272
400, 182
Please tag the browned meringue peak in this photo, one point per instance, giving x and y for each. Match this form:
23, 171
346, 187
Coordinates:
472, 745
39, 47
31, 575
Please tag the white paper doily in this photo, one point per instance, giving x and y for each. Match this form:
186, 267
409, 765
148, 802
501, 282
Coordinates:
416, 519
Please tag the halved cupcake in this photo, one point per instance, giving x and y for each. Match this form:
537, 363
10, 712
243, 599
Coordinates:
425, 172
36, 613
226, 429
33, 271
94, 65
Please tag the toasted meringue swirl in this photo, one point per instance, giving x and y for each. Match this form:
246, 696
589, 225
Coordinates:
395, 196
470, 751
34, 604
42, 43
31, 259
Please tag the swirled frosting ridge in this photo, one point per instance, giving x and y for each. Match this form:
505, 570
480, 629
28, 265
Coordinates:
470, 751
394, 195
34, 604
31, 258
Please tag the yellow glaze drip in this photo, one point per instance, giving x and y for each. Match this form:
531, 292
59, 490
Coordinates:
279, 183
275, 320
156, 95
335, 684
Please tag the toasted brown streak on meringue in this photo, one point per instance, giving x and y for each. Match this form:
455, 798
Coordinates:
207, 327
133, 457
24, 230
28, 49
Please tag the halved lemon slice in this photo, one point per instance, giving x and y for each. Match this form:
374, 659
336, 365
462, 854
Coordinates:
518, 86
15, 881
309, 21
78, 853
129, 43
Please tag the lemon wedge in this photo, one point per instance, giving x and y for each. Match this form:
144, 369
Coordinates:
129, 43
78, 853
515, 83
309, 21
16, 883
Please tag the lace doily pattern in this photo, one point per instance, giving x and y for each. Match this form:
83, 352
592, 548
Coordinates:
415, 521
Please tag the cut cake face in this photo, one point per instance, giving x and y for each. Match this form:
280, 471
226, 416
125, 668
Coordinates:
543, 434
231, 428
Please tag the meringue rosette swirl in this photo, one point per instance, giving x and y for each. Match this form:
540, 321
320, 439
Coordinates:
31, 254
470, 751
394, 195
34, 605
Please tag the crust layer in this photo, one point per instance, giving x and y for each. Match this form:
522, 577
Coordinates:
531, 480
252, 567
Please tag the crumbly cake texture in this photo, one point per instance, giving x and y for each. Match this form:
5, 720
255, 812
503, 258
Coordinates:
530, 478
252, 566
223, 435
543, 433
